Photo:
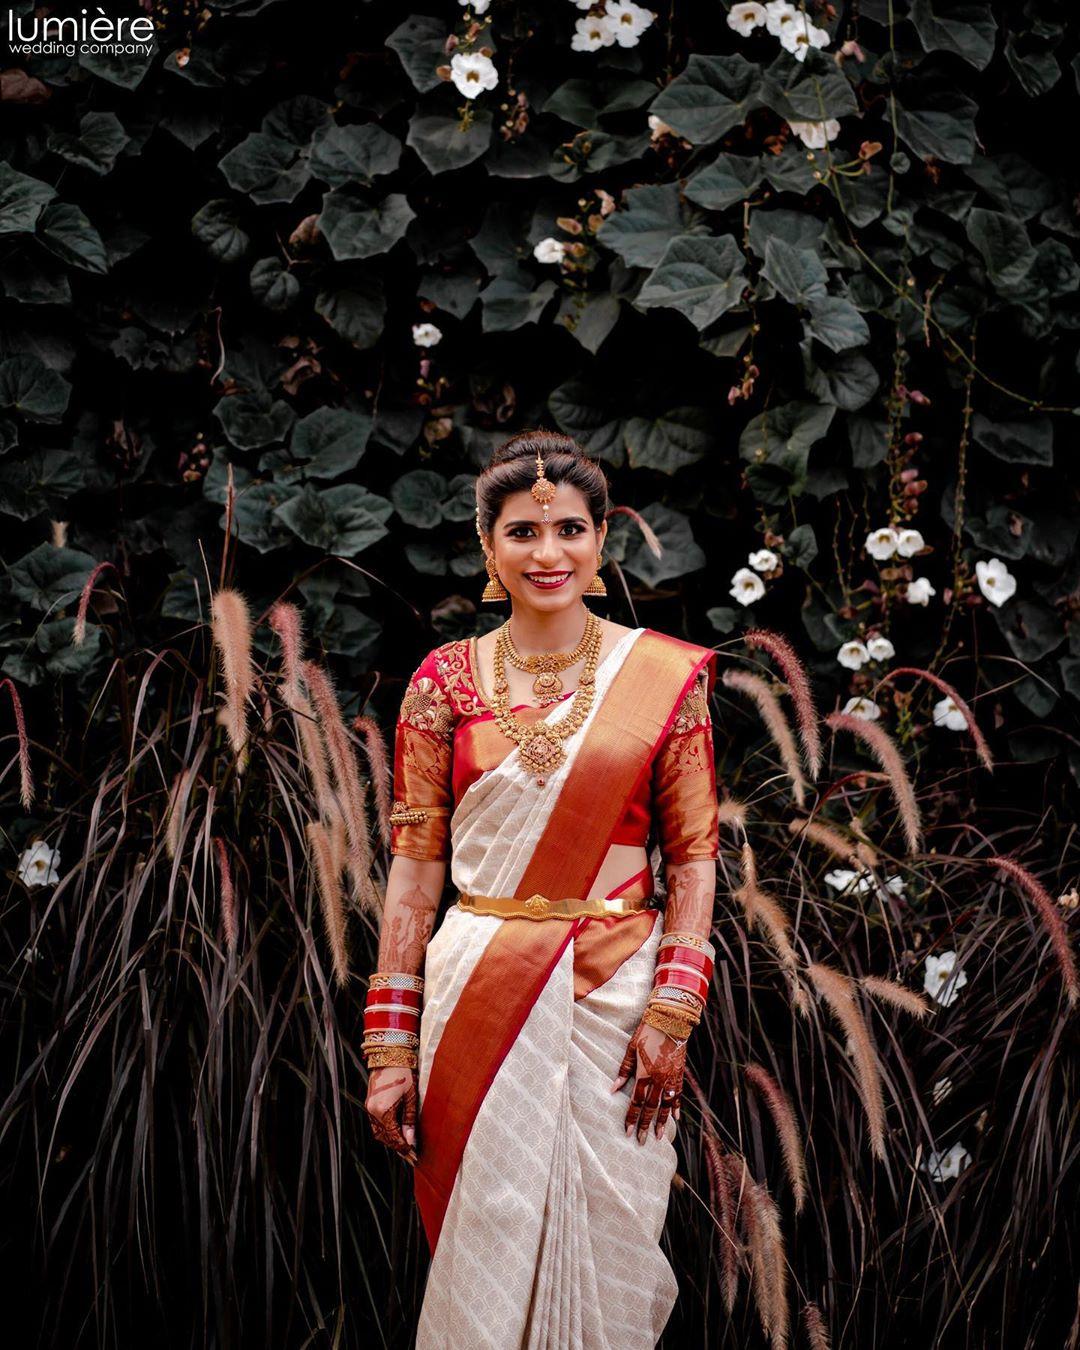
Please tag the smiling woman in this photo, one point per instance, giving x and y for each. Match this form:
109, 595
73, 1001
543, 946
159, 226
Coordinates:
550, 984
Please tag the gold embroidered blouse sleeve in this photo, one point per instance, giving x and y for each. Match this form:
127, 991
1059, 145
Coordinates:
685, 809
423, 768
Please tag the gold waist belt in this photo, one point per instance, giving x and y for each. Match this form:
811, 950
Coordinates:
543, 907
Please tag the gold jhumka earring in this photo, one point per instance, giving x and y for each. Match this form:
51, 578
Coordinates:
596, 586
494, 590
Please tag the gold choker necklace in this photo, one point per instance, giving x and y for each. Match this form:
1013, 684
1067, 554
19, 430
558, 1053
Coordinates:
540, 743
547, 686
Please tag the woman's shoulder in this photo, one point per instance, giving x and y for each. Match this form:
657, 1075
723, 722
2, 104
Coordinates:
449, 668
693, 649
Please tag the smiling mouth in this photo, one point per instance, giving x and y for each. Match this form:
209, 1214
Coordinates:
548, 581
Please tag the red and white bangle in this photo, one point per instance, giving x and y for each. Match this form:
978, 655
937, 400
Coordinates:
392, 1019
684, 962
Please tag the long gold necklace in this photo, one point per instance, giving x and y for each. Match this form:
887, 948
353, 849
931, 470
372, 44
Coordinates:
540, 743
547, 666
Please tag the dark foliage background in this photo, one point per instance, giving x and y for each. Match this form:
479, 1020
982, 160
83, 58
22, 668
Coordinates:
211, 263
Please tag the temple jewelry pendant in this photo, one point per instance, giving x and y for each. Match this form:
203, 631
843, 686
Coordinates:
541, 755
547, 687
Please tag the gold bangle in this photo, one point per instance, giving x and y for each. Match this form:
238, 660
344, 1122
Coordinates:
666, 1022
392, 1057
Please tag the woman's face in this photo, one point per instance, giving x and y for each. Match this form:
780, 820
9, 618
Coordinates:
546, 567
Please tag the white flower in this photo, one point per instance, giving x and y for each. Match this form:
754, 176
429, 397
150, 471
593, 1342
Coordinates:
881, 544
779, 16
842, 879
592, 33
549, 251
880, 648
473, 73
628, 21
583, 4
947, 714
919, 591
816, 135
942, 980
996, 582
853, 655
909, 542
799, 37
658, 127
477, 6
426, 334
763, 560
746, 17
864, 708
39, 865
746, 586
945, 1166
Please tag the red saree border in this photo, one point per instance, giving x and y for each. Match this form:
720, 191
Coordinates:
641, 704
486, 1019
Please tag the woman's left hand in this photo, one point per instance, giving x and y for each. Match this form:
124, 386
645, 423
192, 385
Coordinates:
656, 1062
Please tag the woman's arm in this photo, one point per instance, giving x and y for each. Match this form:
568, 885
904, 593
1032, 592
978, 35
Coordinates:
413, 890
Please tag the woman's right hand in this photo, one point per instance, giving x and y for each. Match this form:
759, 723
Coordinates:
391, 1106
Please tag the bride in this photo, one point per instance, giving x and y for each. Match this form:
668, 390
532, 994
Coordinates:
528, 1058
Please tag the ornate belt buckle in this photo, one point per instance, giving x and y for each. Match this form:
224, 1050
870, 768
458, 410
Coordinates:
537, 905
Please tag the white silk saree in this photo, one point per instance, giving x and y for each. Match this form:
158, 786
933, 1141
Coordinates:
543, 1216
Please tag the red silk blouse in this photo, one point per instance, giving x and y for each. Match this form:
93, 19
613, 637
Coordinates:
446, 737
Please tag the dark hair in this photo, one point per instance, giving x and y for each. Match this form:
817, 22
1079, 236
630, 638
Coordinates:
513, 469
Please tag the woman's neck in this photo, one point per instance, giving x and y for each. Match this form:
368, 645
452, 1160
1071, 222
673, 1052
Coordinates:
560, 631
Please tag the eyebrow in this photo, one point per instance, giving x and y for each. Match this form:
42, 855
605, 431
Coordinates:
566, 520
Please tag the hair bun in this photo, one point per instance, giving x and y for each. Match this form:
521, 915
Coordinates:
527, 444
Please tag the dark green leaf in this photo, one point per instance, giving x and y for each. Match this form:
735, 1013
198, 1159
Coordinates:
31, 388
727, 180
49, 577
1034, 65
342, 520
418, 498
272, 285
67, 233
420, 45
590, 318
700, 277
297, 119
681, 552
963, 27
41, 482
712, 95
438, 139
268, 168
1003, 243
331, 439
797, 273
937, 126
586, 102
1030, 441
801, 547
510, 302
217, 227
679, 438
252, 420
356, 229
341, 155
1032, 628
590, 417
650, 218
21, 200
782, 438
812, 90
355, 311
101, 138
837, 323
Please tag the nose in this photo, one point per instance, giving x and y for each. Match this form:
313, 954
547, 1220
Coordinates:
547, 550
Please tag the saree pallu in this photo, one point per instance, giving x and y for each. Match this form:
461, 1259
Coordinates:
543, 1216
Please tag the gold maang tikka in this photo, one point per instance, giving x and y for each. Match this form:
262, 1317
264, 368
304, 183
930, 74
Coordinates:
543, 489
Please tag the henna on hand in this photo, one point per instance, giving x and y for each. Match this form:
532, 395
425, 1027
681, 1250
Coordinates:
388, 1090
658, 1063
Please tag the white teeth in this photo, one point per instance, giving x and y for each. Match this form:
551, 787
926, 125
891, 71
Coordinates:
553, 581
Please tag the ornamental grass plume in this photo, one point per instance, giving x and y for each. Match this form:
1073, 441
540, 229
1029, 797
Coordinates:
776, 724
857, 852
26, 777
78, 632
768, 1267
838, 991
1052, 920
287, 623
899, 995
379, 765
816, 1336
350, 793
652, 541
783, 1116
798, 683
328, 882
733, 812
232, 637
982, 749
763, 912
176, 811
229, 921
881, 746
725, 1193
